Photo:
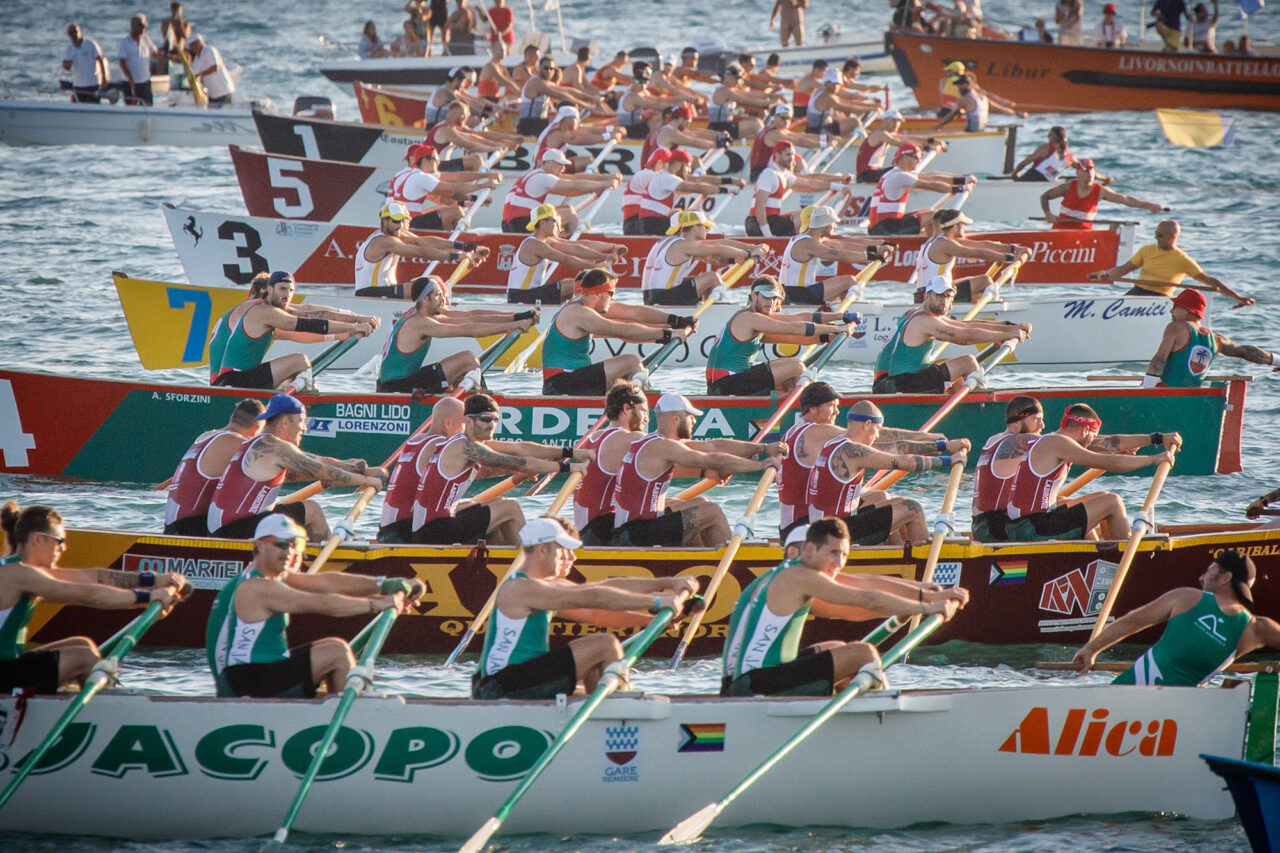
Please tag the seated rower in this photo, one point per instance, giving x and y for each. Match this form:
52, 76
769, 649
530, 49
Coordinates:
1162, 266
669, 276
517, 662
567, 129
904, 366
1036, 513
775, 183
1048, 160
675, 132
186, 510
976, 104
1188, 347
637, 103
419, 185
1187, 654
649, 200
30, 575
462, 146
643, 516
722, 111
537, 93
531, 189
762, 656
396, 523
1081, 196
379, 254
626, 412
776, 130
886, 135
947, 244
545, 249
832, 111
245, 640
887, 211
817, 242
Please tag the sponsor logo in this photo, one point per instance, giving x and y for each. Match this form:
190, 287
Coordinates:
1091, 733
947, 574
1008, 572
203, 574
701, 737
621, 746
1080, 591
189, 227
1199, 359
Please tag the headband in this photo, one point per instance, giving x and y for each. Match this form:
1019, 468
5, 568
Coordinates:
1025, 413
875, 419
1088, 423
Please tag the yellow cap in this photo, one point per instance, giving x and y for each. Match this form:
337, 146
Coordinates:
394, 210
543, 211
688, 218
955, 68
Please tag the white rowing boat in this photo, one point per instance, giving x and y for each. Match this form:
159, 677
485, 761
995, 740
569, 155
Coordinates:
39, 122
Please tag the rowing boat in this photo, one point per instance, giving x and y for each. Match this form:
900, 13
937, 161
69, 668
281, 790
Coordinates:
43, 122
1255, 788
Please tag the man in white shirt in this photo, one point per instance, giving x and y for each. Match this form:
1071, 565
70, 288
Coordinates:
135, 55
87, 65
210, 71
1110, 33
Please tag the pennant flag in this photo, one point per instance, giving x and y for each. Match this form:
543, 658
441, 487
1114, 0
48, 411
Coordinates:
1248, 7
1195, 129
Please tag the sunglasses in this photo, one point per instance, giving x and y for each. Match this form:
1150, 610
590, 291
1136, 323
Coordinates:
485, 419
289, 544
61, 540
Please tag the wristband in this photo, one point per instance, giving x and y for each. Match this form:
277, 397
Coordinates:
686, 322
946, 460
1157, 438
146, 579
1273, 359
920, 594
673, 321
1012, 248
666, 337
463, 245
817, 317
454, 257
1150, 381
853, 318
941, 445
765, 230
824, 338
564, 466
523, 315
142, 596
657, 605
726, 181
810, 330
1009, 256
373, 608
566, 452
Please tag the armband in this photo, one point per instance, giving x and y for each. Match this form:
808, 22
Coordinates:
673, 321
941, 444
311, 324
920, 594
824, 338
1273, 359
524, 315
146, 579
666, 336
810, 330
463, 245
1157, 438
1009, 256
564, 466
390, 586
1012, 248
726, 181
946, 460
566, 452
142, 596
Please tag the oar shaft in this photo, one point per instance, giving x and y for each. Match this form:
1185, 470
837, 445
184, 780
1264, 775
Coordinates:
1080, 482
483, 615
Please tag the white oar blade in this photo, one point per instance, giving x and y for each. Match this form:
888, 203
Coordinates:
691, 828
481, 837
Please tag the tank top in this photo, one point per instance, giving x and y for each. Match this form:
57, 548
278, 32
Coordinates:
238, 495
926, 267
13, 621
510, 641
633, 192
1187, 367
628, 117
524, 276
815, 120
651, 143
883, 207
731, 657
827, 494
721, 112
561, 353
729, 355
520, 199
976, 121
897, 357
990, 490
1194, 646
594, 495
793, 479
760, 154
401, 192
191, 492
488, 88
243, 351
445, 149
636, 496
542, 145
768, 638
379, 273
773, 202
872, 156
795, 273
396, 363
1052, 164
402, 486
437, 493
1082, 207
229, 641
532, 107
434, 113
1033, 492
221, 334
659, 273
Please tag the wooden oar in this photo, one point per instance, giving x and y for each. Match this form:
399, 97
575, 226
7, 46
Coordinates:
483, 615
946, 523
693, 826
100, 676
323, 360
1121, 666
741, 530
481, 199
1080, 482
359, 679
655, 359
1131, 548
1006, 275
851, 295
615, 675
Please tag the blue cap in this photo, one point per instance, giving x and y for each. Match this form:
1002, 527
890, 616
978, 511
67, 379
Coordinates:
281, 404
279, 276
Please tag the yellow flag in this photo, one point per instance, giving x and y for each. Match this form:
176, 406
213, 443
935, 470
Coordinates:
1195, 129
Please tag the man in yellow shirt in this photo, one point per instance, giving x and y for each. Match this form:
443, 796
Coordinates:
1163, 262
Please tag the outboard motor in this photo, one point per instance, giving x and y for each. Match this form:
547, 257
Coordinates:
314, 106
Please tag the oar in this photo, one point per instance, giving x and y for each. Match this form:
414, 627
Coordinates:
741, 530
481, 198
323, 360
1006, 275
945, 524
693, 826
100, 676
707, 159
851, 295
359, 679
1141, 525
1080, 482
1121, 666
1158, 287
615, 674
655, 359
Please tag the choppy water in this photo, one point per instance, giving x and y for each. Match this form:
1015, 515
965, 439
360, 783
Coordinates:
70, 216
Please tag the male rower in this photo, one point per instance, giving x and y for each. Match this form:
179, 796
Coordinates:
537, 254
816, 243
1188, 347
976, 105
396, 522
538, 92
455, 132
887, 134
650, 196
887, 211
1207, 628
776, 130
644, 517
567, 129
186, 510
722, 110
245, 640
379, 254
669, 276
832, 111
775, 183
517, 662
675, 132
418, 185
531, 189
905, 365
246, 491
763, 657
1036, 513
1081, 196
947, 243
626, 412
1161, 266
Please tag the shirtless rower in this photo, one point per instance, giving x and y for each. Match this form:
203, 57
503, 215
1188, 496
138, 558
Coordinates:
886, 135
567, 129
396, 522
526, 280
1163, 262
779, 179
517, 662
664, 81
191, 490
493, 77
612, 73
947, 244
626, 413
807, 86
651, 195
378, 255
816, 242
644, 516
245, 640
419, 185
1188, 347
689, 70
537, 93
532, 188
1081, 196
887, 211
669, 278
441, 518
246, 491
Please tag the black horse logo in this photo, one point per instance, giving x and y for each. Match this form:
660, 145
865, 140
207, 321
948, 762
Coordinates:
190, 228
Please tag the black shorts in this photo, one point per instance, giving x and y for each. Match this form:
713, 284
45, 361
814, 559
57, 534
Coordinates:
547, 294
1061, 522
428, 221
397, 533
255, 377
909, 224
137, 93
1032, 176
289, 678
829, 127
465, 527
453, 164
429, 378
532, 126
780, 226
519, 225
636, 131
809, 295
666, 529
244, 528
599, 530
729, 127
684, 293
85, 95
192, 525
931, 380
807, 675
542, 677
757, 380
646, 226
990, 526
586, 381
872, 176
870, 525
37, 670
964, 291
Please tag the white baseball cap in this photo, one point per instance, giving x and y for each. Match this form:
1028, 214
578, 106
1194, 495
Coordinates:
675, 403
278, 526
939, 284
567, 112
554, 156
891, 114
539, 531
832, 75
796, 536
782, 110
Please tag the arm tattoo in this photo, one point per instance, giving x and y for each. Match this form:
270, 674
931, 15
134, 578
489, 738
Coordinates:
904, 447
481, 455
111, 577
1106, 444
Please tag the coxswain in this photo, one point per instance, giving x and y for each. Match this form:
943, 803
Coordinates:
874, 150
776, 130
379, 254
1161, 262
976, 106
637, 103
517, 662
904, 366
396, 522
567, 129
1188, 347
728, 96
670, 277
1081, 196
626, 413
532, 188
652, 197
247, 490
762, 656
1048, 160
433, 198
947, 243
526, 280
30, 575
779, 179
817, 243
887, 210
246, 640
191, 490
538, 92
833, 112
643, 516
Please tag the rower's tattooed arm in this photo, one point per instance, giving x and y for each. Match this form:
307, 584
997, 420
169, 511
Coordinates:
481, 455
301, 464
898, 434
923, 448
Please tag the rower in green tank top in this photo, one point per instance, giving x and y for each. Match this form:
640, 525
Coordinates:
1188, 346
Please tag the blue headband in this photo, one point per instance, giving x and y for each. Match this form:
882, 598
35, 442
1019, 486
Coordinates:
875, 419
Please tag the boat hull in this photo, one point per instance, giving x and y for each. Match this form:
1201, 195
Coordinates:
1255, 788
51, 123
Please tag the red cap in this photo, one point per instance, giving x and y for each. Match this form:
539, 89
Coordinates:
659, 155
1109, 8
904, 150
677, 155
685, 111
1191, 300
417, 151
1084, 163
782, 146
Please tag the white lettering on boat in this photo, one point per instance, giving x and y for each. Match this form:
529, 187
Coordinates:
173, 397
14, 443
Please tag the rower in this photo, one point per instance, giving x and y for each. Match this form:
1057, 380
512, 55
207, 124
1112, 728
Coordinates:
626, 413
30, 575
575, 74
1036, 513
528, 66
191, 490
461, 78
668, 177
844, 457
689, 69
947, 244
874, 150
612, 73
396, 523
762, 656
644, 517
1188, 347
567, 368
731, 363
669, 276
1162, 262
1187, 654
246, 491
1048, 160
526, 284
905, 365
416, 186
378, 255
976, 104
1080, 199
441, 518
538, 92
636, 102
664, 81
532, 188
887, 211
806, 87
241, 336
775, 182
816, 243
776, 130
493, 77
675, 132
833, 112
566, 129
516, 662
454, 135
245, 640
722, 111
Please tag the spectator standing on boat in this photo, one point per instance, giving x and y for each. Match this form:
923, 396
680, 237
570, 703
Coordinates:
186, 508
1111, 32
1168, 15
976, 105
501, 21
135, 55
371, 47
947, 244
790, 17
887, 211
245, 640
37, 539
460, 30
1081, 196
1204, 28
1188, 347
516, 661
1207, 628
210, 70
87, 65
175, 31
1048, 160
1162, 262
1067, 14
762, 655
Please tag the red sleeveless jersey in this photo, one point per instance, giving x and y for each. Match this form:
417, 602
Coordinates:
990, 490
191, 492
1033, 492
519, 200
828, 495
637, 496
437, 493
1079, 207
793, 479
238, 495
402, 487
594, 495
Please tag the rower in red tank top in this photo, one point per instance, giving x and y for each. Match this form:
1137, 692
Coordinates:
437, 493
828, 495
238, 495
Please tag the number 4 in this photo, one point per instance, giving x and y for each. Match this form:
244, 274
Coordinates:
14, 443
